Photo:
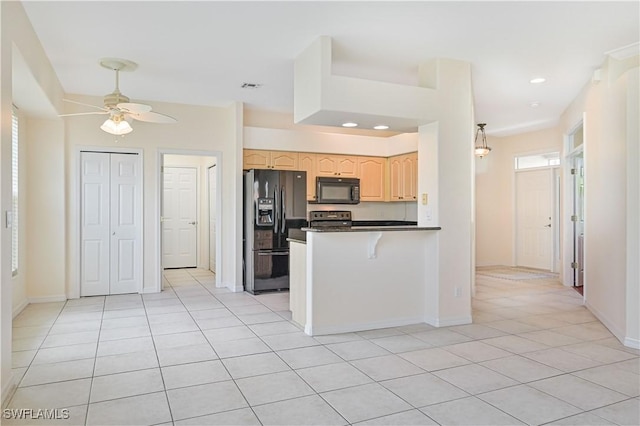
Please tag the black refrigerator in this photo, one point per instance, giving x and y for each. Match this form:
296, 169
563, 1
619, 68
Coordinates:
274, 202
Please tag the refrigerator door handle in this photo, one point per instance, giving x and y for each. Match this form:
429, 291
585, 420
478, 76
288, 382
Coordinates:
276, 216
284, 211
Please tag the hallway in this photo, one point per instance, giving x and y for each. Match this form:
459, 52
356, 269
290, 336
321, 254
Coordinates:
195, 354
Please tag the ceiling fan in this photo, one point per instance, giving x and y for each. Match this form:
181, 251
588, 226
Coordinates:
121, 112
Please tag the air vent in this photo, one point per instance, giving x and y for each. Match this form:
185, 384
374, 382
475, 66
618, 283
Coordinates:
252, 86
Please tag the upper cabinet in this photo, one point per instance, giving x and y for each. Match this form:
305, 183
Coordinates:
403, 176
261, 159
398, 173
371, 171
336, 165
307, 163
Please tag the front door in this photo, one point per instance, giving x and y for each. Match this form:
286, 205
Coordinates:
534, 205
179, 212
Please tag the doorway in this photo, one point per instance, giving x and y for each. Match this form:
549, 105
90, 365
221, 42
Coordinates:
111, 223
185, 232
537, 238
179, 217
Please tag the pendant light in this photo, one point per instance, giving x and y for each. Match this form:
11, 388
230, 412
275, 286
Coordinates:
481, 149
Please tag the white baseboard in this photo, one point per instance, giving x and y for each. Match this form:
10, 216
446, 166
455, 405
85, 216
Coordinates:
447, 322
606, 322
233, 287
348, 328
631, 343
20, 307
49, 299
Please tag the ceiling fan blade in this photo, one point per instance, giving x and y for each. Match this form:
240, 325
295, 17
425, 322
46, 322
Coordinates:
133, 107
84, 113
153, 117
83, 104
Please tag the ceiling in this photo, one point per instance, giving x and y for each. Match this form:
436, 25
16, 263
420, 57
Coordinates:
201, 52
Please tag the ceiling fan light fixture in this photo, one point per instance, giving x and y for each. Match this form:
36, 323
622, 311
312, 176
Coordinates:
118, 127
481, 149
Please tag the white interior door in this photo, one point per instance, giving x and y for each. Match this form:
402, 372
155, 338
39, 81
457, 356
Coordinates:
179, 212
111, 224
126, 217
212, 218
95, 232
534, 209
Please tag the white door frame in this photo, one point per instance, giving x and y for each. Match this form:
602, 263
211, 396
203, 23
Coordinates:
569, 155
158, 207
214, 167
76, 208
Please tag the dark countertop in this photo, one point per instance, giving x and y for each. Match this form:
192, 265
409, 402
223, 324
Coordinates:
297, 236
384, 223
374, 228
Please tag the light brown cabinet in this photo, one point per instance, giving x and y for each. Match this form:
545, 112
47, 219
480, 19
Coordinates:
261, 159
371, 171
398, 173
403, 177
307, 163
336, 165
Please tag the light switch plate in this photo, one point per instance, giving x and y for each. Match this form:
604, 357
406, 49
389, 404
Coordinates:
425, 198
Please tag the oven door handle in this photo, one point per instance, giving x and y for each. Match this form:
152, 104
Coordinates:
273, 253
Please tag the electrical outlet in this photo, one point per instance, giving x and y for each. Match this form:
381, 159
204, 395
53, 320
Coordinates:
457, 292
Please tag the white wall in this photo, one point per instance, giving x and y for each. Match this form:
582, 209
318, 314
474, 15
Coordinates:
445, 173
46, 208
201, 164
24, 68
495, 192
199, 129
610, 129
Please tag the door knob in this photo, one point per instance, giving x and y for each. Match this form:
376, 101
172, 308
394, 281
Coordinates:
193, 223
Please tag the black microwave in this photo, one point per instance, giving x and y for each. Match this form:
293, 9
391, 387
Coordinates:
335, 190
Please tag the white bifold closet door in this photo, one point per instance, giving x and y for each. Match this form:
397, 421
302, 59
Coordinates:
111, 228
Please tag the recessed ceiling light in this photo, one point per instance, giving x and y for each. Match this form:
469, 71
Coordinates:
350, 124
535, 104
537, 80
381, 127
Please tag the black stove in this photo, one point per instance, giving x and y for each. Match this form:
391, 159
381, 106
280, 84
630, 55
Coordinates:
330, 219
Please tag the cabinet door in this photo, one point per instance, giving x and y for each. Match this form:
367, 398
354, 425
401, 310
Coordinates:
307, 162
371, 173
347, 166
256, 159
409, 176
395, 178
281, 160
326, 165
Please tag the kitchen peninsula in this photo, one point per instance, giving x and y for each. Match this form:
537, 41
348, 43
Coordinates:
346, 279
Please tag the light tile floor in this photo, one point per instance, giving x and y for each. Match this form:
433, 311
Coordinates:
197, 355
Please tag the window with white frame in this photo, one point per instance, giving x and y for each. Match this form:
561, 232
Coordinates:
538, 160
14, 191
